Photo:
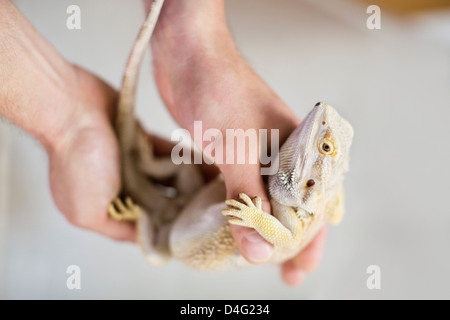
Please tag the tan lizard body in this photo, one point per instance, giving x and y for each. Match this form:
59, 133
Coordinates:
192, 226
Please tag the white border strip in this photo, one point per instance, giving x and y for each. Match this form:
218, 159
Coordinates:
4, 198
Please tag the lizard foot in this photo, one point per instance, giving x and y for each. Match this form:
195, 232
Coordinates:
120, 211
249, 214
269, 227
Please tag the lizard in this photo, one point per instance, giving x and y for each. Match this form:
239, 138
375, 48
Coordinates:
191, 224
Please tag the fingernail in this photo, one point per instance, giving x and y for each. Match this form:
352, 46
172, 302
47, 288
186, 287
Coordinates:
255, 248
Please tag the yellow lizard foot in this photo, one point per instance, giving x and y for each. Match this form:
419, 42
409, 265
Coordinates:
248, 214
123, 212
270, 228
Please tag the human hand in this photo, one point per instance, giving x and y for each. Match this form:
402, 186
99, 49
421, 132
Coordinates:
84, 163
70, 112
201, 76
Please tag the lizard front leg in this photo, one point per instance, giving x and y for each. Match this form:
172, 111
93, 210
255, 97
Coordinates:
335, 209
270, 228
153, 241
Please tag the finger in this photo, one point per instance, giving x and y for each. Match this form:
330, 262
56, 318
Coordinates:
163, 147
251, 245
117, 230
309, 258
105, 225
291, 274
247, 179
294, 271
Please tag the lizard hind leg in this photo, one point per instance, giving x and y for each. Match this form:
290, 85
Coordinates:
123, 211
152, 240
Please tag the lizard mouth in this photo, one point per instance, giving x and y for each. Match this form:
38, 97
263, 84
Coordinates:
311, 130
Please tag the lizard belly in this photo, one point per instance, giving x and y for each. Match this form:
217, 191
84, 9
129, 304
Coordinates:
201, 237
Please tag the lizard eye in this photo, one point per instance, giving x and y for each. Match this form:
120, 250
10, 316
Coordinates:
326, 147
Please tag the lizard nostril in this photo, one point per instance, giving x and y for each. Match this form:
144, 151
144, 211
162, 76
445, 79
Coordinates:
310, 183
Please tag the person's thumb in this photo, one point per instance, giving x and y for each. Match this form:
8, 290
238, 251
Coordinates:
247, 179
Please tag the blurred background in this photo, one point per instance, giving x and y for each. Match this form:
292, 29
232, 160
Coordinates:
392, 84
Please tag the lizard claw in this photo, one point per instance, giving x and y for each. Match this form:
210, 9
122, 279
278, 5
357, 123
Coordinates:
258, 202
123, 212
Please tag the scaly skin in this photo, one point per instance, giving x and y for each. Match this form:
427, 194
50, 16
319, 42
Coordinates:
306, 193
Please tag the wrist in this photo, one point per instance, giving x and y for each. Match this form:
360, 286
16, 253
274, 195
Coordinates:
191, 40
42, 92
88, 101
36, 80
187, 29
195, 15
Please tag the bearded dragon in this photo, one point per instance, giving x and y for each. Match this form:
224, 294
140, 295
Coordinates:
190, 220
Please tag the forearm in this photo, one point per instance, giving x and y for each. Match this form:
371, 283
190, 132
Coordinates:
36, 82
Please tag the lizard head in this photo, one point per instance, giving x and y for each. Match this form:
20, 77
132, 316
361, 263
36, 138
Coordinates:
313, 160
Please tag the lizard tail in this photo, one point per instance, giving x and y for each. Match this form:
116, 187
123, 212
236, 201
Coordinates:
125, 121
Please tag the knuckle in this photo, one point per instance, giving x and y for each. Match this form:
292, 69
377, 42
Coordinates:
307, 264
81, 220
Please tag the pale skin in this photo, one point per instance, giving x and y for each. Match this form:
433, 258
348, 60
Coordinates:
70, 111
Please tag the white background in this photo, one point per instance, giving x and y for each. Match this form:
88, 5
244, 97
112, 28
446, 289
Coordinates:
391, 84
